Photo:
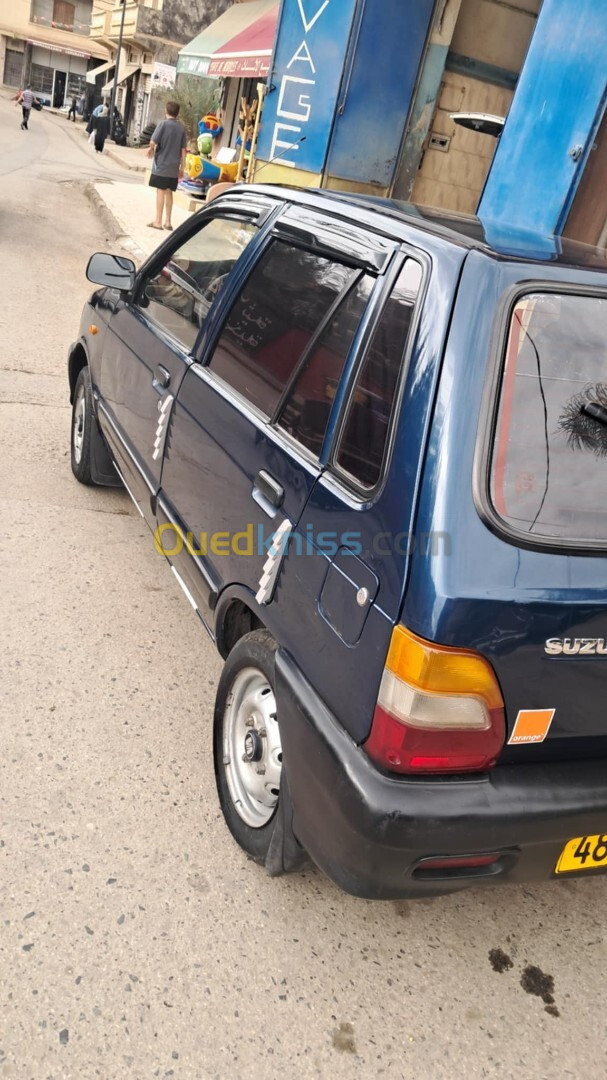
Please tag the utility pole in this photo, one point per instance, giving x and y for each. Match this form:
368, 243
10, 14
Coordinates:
116, 70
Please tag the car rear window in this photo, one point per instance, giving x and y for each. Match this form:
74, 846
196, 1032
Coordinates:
549, 460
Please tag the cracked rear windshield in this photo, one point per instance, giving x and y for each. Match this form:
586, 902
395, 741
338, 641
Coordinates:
549, 465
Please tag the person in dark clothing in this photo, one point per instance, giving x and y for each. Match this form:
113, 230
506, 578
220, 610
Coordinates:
101, 125
91, 120
72, 113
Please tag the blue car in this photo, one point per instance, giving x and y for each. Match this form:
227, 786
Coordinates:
371, 445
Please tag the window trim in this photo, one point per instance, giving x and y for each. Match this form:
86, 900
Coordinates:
255, 416
160, 258
330, 234
346, 480
241, 212
488, 422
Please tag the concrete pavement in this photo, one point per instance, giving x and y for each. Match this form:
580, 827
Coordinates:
129, 203
122, 193
132, 207
137, 940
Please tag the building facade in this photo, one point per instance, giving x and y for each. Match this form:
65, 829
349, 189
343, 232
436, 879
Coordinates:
389, 101
153, 33
48, 43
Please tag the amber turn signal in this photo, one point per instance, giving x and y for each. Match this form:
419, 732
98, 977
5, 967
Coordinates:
439, 709
93, 329
440, 669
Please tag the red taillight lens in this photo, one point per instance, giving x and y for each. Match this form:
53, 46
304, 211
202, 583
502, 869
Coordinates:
439, 710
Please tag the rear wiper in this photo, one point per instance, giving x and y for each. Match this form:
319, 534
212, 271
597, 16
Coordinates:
584, 420
596, 411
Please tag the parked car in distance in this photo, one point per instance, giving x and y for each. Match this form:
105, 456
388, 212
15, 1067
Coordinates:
371, 444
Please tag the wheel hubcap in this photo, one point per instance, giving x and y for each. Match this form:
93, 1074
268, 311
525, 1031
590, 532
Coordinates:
252, 754
78, 425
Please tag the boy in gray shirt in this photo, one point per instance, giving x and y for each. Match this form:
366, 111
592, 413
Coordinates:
168, 147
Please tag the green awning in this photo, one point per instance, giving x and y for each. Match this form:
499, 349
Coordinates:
195, 58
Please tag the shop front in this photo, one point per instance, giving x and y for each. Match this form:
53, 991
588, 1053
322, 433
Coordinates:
56, 73
236, 50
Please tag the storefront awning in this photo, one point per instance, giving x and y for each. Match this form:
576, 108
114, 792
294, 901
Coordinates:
92, 76
248, 54
239, 43
125, 72
58, 48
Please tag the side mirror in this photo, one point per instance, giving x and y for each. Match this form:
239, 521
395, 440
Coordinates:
113, 271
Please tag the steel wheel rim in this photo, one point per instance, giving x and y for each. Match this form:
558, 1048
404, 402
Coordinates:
78, 425
252, 753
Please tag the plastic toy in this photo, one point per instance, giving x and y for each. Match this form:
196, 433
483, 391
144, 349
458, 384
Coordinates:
209, 129
200, 168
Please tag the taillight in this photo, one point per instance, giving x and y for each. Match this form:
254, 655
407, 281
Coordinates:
439, 709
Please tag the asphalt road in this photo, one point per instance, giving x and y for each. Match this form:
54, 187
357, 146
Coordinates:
136, 940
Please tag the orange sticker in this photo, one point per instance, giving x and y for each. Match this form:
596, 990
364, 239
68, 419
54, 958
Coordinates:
532, 726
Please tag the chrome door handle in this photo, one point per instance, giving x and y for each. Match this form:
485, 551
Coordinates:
162, 377
269, 488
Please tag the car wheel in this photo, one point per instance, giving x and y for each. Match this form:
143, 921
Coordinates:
82, 421
247, 746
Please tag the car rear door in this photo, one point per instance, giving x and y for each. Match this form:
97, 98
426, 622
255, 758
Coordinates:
243, 452
152, 336
347, 583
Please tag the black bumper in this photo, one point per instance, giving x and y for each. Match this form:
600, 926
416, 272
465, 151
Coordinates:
368, 832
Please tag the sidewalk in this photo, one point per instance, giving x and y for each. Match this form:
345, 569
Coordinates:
130, 157
132, 206
128, 207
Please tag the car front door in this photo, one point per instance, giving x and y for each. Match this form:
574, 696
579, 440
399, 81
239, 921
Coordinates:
151, 342
250, 418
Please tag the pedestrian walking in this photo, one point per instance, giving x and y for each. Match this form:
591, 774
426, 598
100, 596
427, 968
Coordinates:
74, 105
90, 127
26, 100
101, 127
168, 147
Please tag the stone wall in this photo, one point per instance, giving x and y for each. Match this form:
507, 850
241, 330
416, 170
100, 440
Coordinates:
181, 20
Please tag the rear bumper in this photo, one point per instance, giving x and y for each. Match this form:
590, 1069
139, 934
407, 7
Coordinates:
368, 832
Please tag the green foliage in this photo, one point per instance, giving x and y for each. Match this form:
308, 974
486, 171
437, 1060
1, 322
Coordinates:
195, 97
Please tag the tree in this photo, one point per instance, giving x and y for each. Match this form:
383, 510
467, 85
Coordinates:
195, 97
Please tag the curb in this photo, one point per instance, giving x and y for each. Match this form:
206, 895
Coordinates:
120, 161
112, 224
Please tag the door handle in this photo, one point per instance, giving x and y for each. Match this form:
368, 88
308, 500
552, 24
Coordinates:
267, 486
162, 377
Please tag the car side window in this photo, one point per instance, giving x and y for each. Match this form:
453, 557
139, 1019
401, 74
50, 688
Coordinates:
275, 321
364, 437
309, 397
178, 296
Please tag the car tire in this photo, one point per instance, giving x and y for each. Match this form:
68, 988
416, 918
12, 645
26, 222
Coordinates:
83, 419
246, 743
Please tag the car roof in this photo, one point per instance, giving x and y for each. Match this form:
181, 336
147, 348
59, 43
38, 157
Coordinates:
463, 230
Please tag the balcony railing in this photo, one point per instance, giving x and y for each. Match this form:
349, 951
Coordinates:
75, 27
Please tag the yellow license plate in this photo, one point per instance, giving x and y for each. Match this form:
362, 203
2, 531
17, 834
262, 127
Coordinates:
583, 853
